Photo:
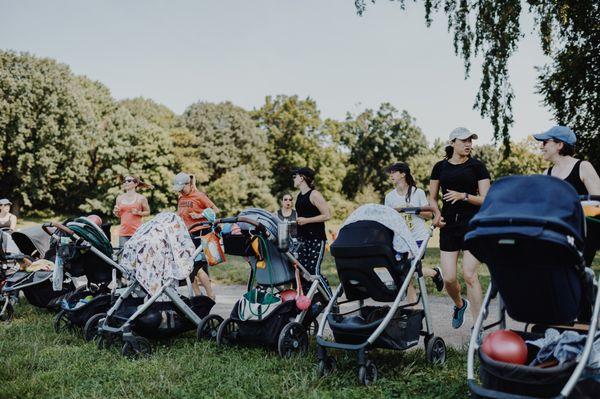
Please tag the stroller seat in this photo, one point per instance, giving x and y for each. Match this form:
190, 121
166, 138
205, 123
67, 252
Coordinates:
361, 248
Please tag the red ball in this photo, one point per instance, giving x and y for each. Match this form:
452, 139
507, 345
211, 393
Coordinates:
302, 302
95, 219
505, 346
287, 295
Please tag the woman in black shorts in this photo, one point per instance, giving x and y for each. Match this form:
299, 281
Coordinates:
464, 182
313, 212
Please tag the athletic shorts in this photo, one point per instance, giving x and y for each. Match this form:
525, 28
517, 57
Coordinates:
452, 238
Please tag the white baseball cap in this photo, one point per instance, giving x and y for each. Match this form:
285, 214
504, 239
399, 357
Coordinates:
180, 180
462, 133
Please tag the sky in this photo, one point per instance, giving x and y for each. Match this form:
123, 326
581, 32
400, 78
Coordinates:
178, 52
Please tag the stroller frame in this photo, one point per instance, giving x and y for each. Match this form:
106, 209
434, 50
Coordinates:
367, 371
478, 329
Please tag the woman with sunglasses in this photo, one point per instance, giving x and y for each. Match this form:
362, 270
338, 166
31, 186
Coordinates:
130, 207
287, 213
558, 147
8, 221
313, 211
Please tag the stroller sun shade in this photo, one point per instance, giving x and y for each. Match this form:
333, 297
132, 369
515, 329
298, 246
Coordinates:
32, 239
90, 232
529, 233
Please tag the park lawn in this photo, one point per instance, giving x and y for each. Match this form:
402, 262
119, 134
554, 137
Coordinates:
38, 363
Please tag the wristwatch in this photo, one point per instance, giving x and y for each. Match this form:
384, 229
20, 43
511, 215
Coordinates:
466, 197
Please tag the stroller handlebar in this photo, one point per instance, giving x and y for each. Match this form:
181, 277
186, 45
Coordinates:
415, 210
589, 197
58, 226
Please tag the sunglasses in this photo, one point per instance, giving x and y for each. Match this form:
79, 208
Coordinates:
544, 142
130, 181
287, 199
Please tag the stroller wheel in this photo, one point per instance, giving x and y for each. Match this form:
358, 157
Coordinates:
91, 326
138, 347
293, 340
435, 349
367, 374
7, 315
209, 327
62, 322
326, 366
313, 328
228, 332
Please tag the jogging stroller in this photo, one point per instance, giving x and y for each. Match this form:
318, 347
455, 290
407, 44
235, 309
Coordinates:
367, 263
84, 250
158, 256
274, 311
36, 284
530, 232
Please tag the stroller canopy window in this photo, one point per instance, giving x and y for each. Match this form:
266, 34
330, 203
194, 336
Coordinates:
159, 250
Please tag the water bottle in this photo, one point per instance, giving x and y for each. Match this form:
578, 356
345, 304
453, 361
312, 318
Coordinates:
283, 235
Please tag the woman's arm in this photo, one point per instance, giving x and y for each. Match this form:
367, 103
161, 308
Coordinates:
145, 207
590, 178
13, 222
434, 188
317, 200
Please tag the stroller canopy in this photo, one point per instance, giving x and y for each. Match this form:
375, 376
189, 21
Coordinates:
538, 200
32, 239
90, 232
159, 250
278, 270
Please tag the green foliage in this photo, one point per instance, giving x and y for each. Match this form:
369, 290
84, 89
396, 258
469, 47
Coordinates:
233, 153
569, 34
380, 138
41, 121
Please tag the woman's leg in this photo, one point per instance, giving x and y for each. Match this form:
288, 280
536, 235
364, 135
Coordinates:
448, 263
204, 280
310, 256
470, 266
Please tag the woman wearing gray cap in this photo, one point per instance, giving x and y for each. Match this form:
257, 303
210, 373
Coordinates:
558, 147
464, 182
8, 221
313, 212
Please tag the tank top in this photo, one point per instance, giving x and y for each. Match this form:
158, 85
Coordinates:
291, 218
573, 179
6, 223
306, 209
129, 222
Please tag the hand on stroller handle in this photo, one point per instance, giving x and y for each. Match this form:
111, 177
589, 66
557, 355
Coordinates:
415, 209
58, 226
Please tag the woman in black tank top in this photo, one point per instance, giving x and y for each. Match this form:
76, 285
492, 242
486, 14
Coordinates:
558, 147
312, 211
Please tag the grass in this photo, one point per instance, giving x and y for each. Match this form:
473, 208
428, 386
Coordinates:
38, 363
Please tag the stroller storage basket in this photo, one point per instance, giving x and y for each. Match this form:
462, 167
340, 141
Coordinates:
524, 379
401, 333
79, 315
265, 332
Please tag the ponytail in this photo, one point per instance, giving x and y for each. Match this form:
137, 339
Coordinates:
412, 186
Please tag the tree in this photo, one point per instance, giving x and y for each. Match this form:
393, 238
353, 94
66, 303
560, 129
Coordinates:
292, 130
379, 139
41, 118
235, 154
569, 33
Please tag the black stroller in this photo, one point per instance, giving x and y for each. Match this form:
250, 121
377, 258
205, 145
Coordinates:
36, 285
530, 232
265, 316
369, 269
153, 308
74, 242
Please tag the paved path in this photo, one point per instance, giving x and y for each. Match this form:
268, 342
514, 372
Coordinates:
441, 312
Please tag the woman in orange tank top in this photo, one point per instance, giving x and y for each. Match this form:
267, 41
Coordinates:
130, 207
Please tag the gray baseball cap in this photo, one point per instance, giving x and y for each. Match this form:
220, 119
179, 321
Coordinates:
560, 133
462, 133
180, 180
5, 201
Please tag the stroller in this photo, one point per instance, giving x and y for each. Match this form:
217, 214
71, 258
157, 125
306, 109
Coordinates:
84, 250
269, 314
368, 267
530, 232
157, 258
36, 285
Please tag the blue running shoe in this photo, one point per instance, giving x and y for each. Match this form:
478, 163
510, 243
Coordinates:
459, 314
